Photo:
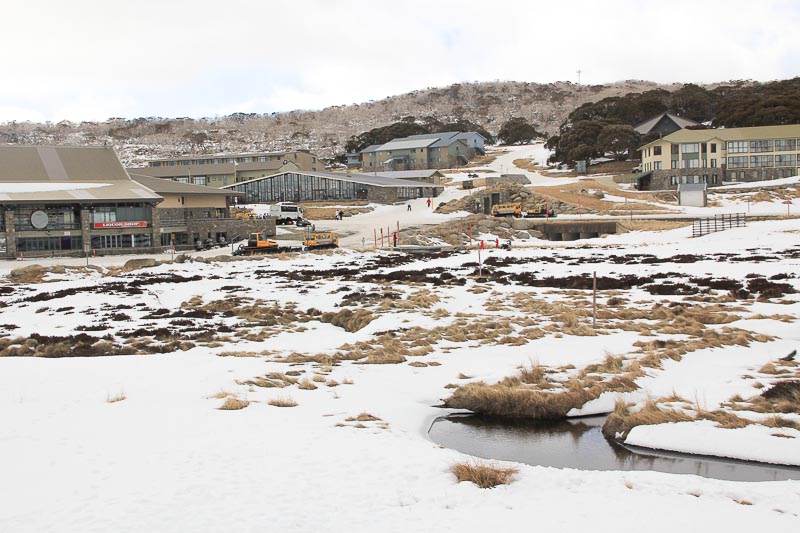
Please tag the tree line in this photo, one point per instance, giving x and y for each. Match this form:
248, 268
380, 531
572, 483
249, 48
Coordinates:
606, 127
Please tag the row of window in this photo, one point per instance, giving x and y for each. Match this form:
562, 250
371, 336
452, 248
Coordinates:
778, 145
294, 187
759, 161
705, 178
225, 160
139, 240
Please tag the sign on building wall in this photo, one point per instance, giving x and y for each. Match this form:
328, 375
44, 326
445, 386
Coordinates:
120, 224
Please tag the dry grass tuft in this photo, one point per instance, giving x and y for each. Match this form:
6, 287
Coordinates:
307, 385
363, 417
484, 475
233, 404
622, 420
284, 401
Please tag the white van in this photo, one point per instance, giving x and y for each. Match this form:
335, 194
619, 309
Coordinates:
286, 213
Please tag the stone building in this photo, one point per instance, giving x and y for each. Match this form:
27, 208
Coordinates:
68, 200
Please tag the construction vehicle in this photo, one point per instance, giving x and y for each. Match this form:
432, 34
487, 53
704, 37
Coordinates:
258, 243
507, 210
539, 211
321, 239
242, 213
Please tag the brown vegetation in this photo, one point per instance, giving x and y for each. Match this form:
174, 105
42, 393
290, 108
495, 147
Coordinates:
484, 475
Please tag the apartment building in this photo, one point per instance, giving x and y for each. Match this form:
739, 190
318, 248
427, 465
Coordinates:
427, 151
717, 156
228, 169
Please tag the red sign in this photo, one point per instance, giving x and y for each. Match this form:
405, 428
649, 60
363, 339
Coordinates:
127, 224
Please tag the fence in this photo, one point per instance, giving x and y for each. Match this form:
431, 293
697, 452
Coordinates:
704, 226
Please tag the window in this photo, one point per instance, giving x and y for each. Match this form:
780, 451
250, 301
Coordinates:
713, 163
673, 180
690, 148
674, 163
787, 160
656, 150
760, 146
690, 163
737, 162
713, 148
674, 149
199, 180
785, 145
737, 147
757, 161
704, 148
657, 165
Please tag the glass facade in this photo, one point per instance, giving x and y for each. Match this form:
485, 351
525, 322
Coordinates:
46, 244
737, 147
293, 187
737, 162
58, 217
122, 213
140, 240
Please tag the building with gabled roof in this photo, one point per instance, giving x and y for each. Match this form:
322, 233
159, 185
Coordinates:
423, 151
663, 124
717, 156
73, 200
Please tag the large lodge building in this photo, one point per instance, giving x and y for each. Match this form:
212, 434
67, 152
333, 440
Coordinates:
714, 156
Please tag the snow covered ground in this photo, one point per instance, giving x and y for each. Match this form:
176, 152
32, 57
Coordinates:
137, 442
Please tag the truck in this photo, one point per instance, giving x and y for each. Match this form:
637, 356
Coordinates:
286, 213
539, 211
321, 239
507, 210
258, 243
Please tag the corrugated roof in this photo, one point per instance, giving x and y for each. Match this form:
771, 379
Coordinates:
49, 174
406, 174
404, 144
371, 148
691, 187
165, 186
228, 155
365, 179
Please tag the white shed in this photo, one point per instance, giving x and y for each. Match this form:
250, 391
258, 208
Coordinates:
692, 194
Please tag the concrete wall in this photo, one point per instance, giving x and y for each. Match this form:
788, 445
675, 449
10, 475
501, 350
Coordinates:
193, 200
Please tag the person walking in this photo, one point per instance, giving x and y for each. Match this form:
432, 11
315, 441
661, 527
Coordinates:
408, 207
429, 203
394, 239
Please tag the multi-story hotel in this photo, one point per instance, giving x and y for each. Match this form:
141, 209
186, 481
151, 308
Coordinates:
715, 156
228, 169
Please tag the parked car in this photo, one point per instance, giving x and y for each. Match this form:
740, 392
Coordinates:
301, 222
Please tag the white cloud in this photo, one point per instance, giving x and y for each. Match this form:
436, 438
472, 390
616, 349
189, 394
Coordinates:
90, 59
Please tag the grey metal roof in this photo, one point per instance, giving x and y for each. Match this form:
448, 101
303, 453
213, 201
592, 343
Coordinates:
177, 171
364, 179
407, 144
371, 148
406, 174
647, 125
47, 174
224, 155
167, 186
691, 187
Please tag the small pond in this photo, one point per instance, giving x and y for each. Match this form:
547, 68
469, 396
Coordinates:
579, 443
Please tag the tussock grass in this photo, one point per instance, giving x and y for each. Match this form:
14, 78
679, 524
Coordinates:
283, 401
307, 385
623, 419
350, 321
233, 404
362, 417
485, 475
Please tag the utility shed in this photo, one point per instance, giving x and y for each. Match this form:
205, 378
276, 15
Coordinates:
692, 194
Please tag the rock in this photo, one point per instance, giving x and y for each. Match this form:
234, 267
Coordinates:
180, 258
536, 234
136, 264
522, 224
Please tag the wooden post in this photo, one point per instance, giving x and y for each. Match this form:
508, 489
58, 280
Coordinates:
594, 299
375, 236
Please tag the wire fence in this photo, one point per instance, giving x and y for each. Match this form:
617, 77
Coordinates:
704, 226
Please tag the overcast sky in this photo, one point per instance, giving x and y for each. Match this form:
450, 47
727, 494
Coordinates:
95, 59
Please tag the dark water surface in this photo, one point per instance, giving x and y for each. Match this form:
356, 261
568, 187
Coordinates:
579, 443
